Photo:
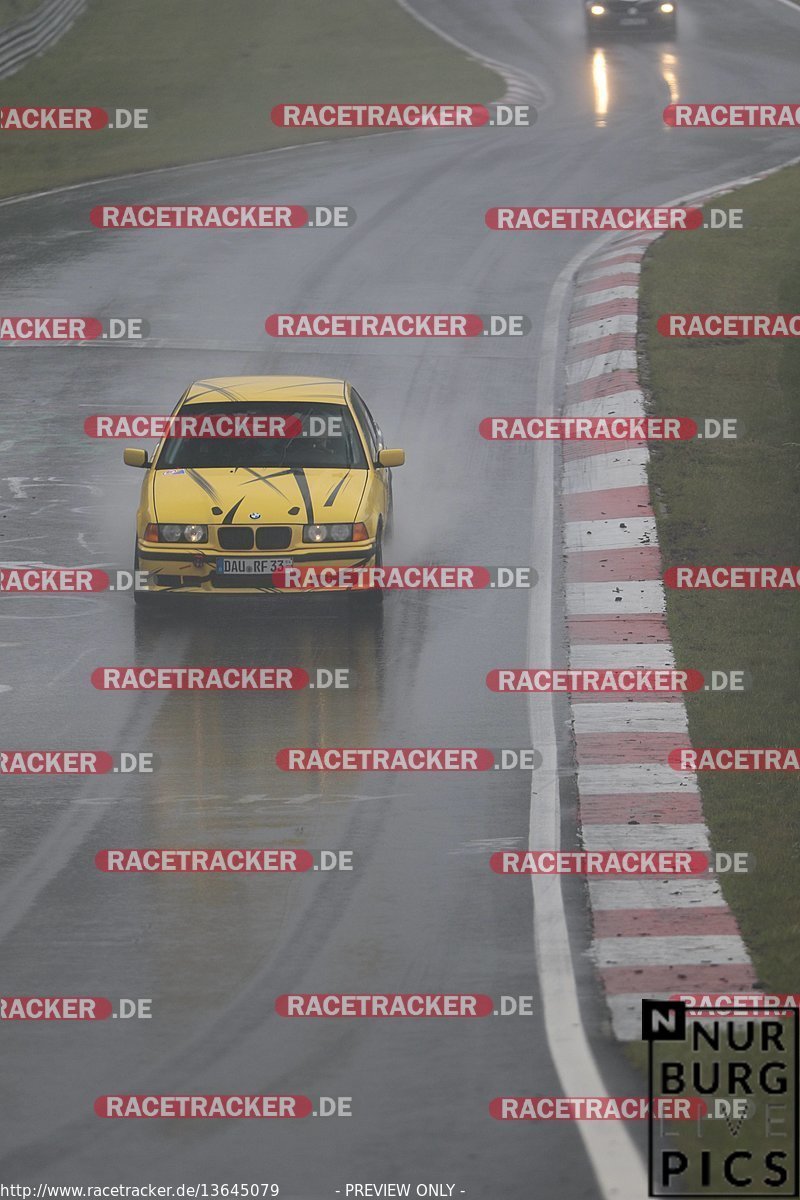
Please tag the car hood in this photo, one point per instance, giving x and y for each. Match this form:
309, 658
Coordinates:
278, 495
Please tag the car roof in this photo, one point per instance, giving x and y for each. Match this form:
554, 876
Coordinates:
267, 389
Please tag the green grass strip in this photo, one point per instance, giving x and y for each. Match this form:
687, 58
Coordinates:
210, 73
738, 502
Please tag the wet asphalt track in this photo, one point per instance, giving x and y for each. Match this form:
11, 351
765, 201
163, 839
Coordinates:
421, 912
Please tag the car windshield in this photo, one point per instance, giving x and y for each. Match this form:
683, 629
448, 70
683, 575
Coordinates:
314, 435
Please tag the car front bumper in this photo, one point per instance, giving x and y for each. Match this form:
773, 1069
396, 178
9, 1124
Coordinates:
626, 22
193, 571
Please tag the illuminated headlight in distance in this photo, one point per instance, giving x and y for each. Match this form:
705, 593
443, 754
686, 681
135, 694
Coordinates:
667, 8
335, 533
176, 533
597, 10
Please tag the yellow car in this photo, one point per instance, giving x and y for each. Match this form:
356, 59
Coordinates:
301, 478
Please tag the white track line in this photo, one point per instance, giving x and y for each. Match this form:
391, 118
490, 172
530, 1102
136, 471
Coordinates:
614, 1158
520, 84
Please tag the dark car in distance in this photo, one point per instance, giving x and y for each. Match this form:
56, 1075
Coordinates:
631, 16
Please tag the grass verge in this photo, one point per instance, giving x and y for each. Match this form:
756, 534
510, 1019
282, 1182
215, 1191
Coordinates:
210, 73
737, 502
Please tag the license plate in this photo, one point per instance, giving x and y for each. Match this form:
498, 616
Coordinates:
633, 21
251, 566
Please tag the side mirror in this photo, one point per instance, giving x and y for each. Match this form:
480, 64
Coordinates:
391, 458
133, 456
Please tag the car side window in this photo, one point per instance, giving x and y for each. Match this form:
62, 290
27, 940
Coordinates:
367, 423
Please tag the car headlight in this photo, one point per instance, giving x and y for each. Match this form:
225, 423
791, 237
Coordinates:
176, 533
195, 533
667, 8
335, 533
597, 10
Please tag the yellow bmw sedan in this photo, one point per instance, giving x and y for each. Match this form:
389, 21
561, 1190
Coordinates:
256, 474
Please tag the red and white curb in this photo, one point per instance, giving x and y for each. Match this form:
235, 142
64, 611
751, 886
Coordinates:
652, 936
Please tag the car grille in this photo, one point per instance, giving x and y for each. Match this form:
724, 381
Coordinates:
622, 7
273, 537
264, 537
235, 537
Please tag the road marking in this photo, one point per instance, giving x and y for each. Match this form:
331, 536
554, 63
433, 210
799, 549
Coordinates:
609, 535
590, 331
601, 364
622, 469
618, 778
634, 563
606, 894
602, 297
667, 716
584, 599
643, 808
630, 745
520, 85
628, 402
612, 1153
663, 951
691, 922
650, 656
632, 263
626, 802
647, 837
